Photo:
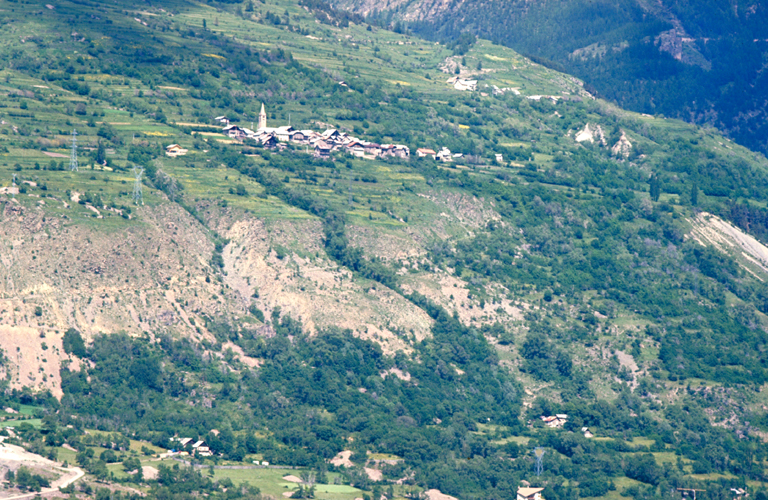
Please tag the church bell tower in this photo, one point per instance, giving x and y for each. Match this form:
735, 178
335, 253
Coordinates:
262, 118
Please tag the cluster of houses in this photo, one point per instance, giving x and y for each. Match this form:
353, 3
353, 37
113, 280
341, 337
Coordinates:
444, 155
558, 421
555, 421
322, 144
188, 445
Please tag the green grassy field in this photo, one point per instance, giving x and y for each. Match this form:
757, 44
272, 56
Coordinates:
34, 422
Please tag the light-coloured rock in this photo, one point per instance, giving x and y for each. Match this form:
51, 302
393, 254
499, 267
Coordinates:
343, 459
622, 147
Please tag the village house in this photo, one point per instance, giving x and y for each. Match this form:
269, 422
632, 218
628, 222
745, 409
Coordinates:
444, 155
299, 136
175, 150
202, 449
322, 149
463, 84
267, 140
422, 152
587, 433
529, 494
402, 151
235, 132
331, 135
555, 421
283, 134
372, 149
387, 150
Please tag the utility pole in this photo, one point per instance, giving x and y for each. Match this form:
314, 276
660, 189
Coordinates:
73, 155
539, 454
137, 198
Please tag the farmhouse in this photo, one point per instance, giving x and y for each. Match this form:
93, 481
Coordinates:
555, 421
529, 494
444, 155
202, 449
463, 84
422, 152
175, 150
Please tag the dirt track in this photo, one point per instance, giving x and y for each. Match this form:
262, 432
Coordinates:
13, 457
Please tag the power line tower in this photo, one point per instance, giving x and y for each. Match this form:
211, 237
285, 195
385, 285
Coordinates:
73, 156
539, 454
137, 198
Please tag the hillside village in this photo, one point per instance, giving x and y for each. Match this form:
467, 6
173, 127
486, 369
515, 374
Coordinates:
322, 144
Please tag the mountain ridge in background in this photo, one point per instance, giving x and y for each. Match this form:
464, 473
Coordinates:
699, 61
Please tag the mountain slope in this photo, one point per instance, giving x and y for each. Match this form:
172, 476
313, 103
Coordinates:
420, 314
698, 61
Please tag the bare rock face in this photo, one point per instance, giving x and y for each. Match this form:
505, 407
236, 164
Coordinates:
282, 266
410, 10
623, 147
677, 43
148, 276
591, 133
158, 274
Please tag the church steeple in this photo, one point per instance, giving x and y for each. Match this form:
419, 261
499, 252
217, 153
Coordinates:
262, 117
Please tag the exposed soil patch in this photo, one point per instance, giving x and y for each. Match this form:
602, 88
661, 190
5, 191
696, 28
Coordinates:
343, 459
283, 265
438, 495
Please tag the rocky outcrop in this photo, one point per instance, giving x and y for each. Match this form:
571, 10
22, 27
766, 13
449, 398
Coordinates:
622, 147
591, 134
